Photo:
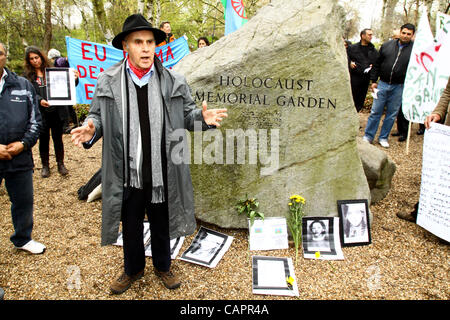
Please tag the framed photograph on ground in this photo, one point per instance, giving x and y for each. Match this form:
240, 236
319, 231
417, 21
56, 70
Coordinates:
60, 86
273, 276
207, 248
320, 238
354, 222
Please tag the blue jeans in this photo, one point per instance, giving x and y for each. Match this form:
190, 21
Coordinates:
389, 95
20, 190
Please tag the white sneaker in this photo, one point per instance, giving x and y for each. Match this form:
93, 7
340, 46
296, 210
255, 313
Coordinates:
366, 139
33, 247
384, 143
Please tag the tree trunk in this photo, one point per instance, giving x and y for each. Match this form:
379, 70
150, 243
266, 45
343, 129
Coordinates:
387, 20
150, 11
100, 13
48, 25
158, 13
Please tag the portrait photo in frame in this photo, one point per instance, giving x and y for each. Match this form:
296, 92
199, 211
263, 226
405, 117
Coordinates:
354, 222
60, 86
207, 248
320, 238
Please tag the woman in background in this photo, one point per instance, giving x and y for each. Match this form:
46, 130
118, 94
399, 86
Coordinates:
202, 42
53, 118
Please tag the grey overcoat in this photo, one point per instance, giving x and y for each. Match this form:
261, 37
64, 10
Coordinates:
180, 112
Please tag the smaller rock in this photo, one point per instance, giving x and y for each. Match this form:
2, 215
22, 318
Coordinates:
378, 167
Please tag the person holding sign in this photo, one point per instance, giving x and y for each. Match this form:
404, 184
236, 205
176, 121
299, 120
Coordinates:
141, 109
391, 68
53, 118
440, 114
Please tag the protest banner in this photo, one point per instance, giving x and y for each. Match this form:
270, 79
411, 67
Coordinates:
434, 201
442, 23
91, 58
428, 70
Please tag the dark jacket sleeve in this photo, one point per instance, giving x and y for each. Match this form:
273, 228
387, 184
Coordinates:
375, 72
444, 103
34, 118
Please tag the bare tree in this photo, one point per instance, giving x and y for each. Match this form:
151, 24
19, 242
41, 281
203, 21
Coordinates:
387, 18
48, 25
99, 11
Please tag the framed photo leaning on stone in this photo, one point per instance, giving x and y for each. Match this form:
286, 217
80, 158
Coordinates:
354, 222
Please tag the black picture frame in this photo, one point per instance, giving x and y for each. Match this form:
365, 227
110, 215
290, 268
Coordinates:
326, 247
360, 235
287, 273
65, 74
208, 259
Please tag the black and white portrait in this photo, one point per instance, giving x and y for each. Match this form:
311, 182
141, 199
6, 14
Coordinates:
354, 222
207, 248
321, 238
318, 238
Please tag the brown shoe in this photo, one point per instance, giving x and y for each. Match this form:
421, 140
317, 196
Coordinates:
169, 279
124, 282
62, 169
406, 216
45, 173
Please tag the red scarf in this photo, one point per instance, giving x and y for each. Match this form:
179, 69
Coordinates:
137, 71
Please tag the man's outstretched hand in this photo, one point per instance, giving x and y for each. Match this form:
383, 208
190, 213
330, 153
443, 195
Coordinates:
83, 134
213, 116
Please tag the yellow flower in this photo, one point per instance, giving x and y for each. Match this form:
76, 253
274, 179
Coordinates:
290, 280
297, 200
317, 254
290, 203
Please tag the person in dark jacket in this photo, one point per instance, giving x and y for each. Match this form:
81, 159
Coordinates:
166, 28
20, 122
53, 117
361, 56
390, 68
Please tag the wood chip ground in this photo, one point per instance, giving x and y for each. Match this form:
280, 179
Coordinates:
403, 262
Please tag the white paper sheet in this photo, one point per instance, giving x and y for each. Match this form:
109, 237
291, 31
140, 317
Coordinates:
270, 275
268, 234
434, 201
175, 244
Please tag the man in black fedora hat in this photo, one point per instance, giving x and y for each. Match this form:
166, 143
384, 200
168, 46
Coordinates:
137, 108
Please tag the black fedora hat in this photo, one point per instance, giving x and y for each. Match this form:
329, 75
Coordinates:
137, 22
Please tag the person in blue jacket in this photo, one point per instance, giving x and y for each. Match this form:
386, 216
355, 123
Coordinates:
20, 123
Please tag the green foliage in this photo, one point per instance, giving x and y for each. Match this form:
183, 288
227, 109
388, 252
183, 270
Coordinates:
23, 21
82, 111
249, 207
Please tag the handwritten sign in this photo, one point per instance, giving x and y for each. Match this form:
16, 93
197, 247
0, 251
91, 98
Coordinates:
91, 58
434, 202
428, 70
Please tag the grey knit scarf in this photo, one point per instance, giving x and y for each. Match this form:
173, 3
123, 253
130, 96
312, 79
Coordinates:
155, 111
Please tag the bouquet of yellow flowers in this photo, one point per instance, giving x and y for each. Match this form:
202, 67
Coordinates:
294, 221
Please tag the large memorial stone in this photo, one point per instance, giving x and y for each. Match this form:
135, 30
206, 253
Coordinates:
292, 124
